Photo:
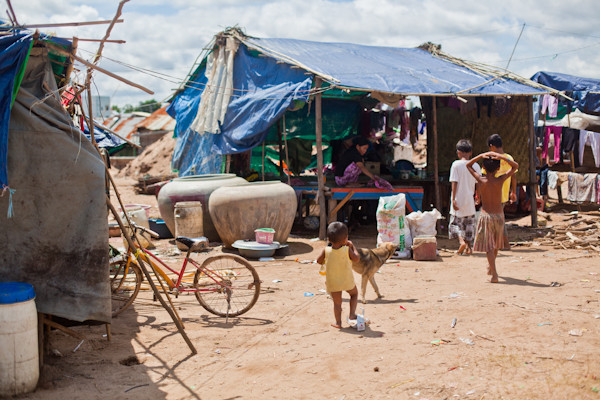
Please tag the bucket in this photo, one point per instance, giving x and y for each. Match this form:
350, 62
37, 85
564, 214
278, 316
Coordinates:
188, 221
264, 235
138, 216
19, 358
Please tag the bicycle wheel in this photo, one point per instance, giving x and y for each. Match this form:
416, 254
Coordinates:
125, 282
227, 285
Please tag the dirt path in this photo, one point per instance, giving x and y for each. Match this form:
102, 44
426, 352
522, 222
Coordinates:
521, 338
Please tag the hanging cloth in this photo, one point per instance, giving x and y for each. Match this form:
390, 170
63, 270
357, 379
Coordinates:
218, 90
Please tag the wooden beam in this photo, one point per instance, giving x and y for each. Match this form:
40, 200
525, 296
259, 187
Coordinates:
35, 26
436, 177
340, 205
319, 140
532, 179
90, 65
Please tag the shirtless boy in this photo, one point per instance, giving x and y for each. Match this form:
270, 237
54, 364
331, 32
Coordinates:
489, 236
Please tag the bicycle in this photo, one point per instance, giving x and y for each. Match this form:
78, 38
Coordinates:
225, 285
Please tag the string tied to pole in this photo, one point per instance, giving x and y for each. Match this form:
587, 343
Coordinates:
10, 211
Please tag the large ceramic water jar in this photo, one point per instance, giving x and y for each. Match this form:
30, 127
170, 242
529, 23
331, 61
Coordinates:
194, 188
238, 210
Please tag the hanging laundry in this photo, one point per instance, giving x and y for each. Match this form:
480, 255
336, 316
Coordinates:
592, 139
568, 143
550, 104
582, 188
552, 179
556, 131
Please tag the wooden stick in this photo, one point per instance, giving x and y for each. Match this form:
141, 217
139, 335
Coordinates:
34, 26
90, 65
263, 161
175, 319
287, 158
340, 205
14, 16
119, 41
436, 177
319, 140
66, 330
532, 155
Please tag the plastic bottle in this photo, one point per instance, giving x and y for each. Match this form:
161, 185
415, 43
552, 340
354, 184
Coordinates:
322, 271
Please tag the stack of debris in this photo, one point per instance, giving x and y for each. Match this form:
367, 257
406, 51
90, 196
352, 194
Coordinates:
580, 231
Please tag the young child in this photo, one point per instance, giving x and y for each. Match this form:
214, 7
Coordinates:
338, 266
462, 211
489, 236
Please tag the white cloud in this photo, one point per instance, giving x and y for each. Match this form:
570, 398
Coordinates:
166, 37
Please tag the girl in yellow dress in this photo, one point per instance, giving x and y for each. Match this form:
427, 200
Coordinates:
338, 267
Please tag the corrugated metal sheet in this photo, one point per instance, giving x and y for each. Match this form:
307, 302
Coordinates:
159, 120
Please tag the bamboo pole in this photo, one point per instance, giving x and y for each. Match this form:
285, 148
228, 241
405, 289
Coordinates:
263, 161
35, 26
337, 208
90, 65
436, 177
280, 146
142, 264
319, 140
71, 62
532, 181
287, 158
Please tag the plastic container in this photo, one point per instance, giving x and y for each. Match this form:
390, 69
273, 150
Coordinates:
133, 207
188, 221
264, 235
19, 358
159, 226
424, 248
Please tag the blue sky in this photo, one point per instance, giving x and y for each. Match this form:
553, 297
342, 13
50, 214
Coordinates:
164, 37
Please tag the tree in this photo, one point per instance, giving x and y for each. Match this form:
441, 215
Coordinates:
116, 109
148, 106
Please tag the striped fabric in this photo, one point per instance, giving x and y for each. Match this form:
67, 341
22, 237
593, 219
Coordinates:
490, 232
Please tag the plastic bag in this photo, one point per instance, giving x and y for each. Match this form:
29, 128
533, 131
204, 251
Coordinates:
423, 223
390, 220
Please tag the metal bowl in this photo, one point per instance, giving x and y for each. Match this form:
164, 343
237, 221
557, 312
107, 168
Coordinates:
252, 249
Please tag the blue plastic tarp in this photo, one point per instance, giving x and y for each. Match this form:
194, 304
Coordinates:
267, 90
268, 87
575, 87
409, 71
13, 53
104, 138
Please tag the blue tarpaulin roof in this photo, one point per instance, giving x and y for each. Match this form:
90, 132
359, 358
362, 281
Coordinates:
268, 84
104, 138
585, 91
409, 71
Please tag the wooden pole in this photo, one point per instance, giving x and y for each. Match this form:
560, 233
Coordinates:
287, 158
263, 161
35, 26
337, 208
142, 264
436, 177
532, 180
279, 143
319, 140
92, 66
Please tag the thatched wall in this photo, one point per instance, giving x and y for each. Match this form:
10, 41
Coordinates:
452, 126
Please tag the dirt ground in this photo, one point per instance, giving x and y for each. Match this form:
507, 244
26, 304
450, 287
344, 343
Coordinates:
535, 335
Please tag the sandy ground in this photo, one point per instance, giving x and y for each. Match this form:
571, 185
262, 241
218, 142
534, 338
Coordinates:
520, 339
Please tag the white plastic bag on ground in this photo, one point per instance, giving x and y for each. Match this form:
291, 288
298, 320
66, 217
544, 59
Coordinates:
390, 220
423, 223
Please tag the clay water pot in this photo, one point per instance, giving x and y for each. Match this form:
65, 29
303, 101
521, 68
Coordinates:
194, 188
238, 210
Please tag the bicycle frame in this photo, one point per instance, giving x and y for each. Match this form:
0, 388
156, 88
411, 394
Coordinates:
178, 284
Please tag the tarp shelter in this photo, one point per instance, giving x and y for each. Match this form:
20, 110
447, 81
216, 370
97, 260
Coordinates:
585, 92
244, 85
57, 237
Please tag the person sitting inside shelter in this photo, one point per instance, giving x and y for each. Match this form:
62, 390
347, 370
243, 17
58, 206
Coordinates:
352, 164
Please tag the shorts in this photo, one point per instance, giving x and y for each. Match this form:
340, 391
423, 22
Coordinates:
462, 227
489, 234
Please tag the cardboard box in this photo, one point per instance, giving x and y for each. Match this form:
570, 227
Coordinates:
374, 167
424, 248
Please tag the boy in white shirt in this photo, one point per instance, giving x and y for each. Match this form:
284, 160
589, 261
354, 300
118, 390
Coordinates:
462, 208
